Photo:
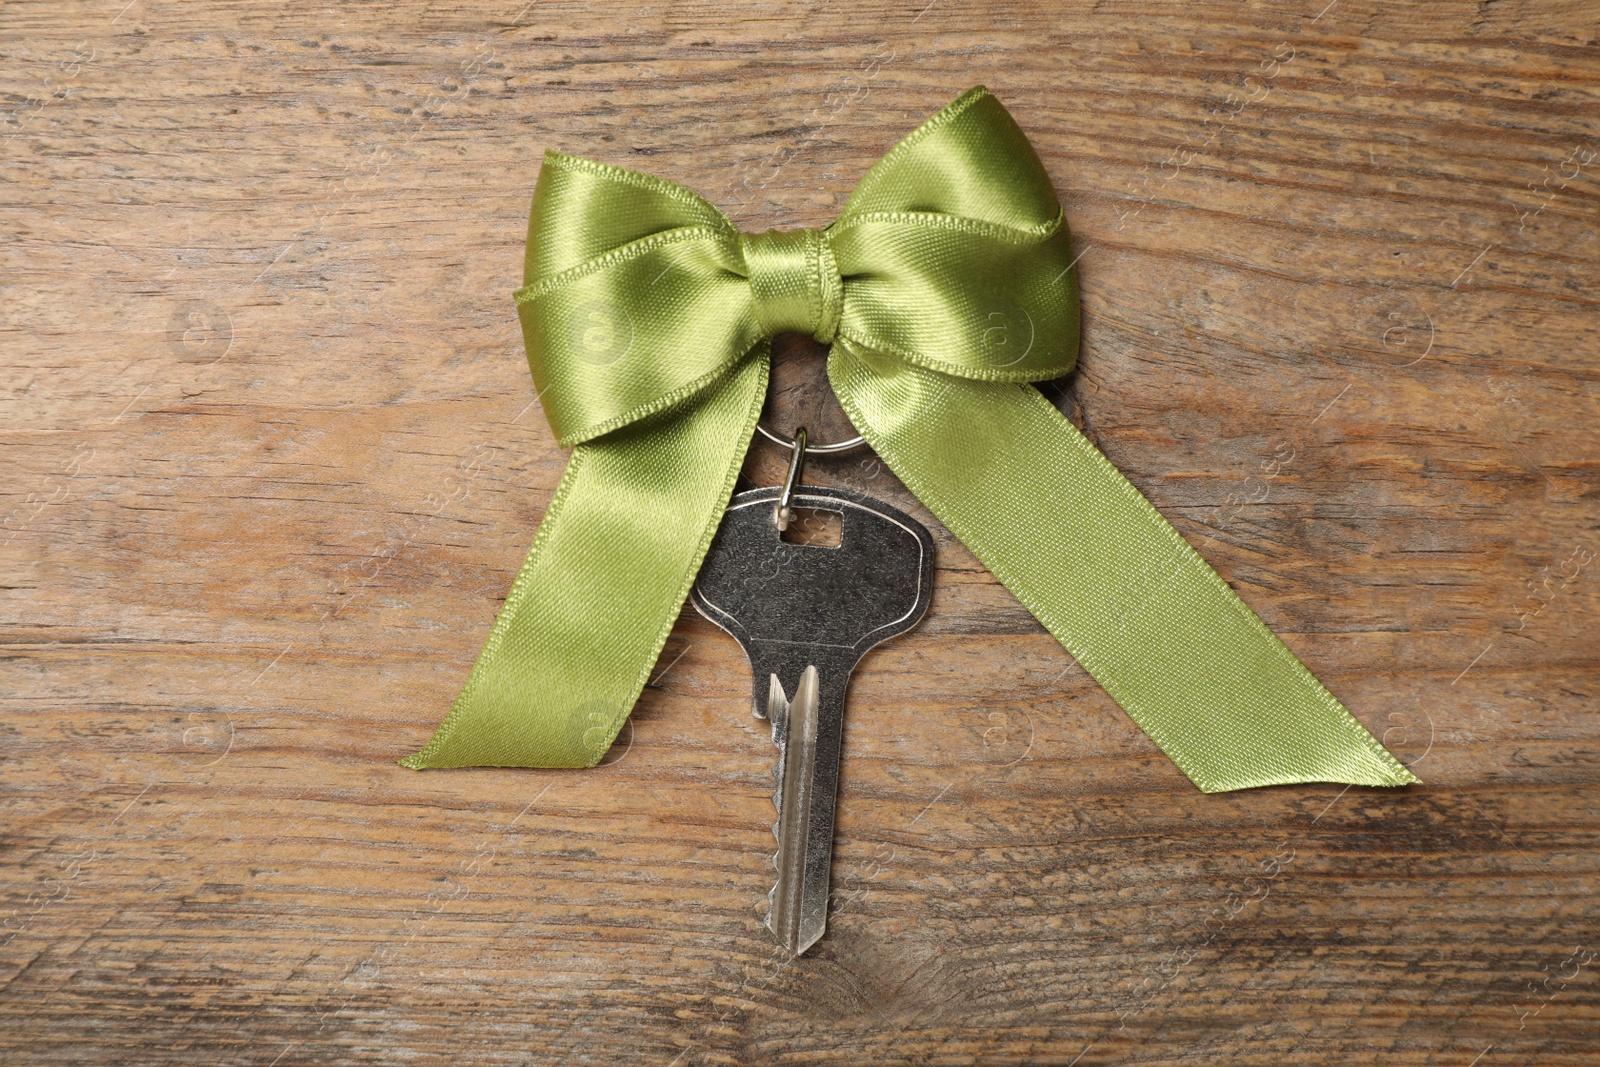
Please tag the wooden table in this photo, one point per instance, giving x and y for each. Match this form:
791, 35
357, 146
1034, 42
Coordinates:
271, 458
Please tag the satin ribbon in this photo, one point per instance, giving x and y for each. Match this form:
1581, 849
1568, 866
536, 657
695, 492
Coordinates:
945, 287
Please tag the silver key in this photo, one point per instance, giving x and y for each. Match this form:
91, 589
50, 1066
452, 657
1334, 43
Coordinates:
805, 615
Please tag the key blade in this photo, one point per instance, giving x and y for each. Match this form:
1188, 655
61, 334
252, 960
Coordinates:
800, 899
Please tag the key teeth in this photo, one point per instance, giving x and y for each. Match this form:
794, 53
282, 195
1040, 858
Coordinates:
777, 801
778, 716
777, 809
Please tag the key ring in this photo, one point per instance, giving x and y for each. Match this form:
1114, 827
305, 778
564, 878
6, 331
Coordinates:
783, 511
813, 450
799, 449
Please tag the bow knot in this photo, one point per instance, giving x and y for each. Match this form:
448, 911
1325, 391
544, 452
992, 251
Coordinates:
795, 282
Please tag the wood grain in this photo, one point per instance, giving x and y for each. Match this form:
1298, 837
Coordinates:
272, 458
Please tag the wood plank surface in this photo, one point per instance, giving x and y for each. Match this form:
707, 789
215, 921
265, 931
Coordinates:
271, 458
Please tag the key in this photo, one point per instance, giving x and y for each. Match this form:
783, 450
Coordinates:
805, 615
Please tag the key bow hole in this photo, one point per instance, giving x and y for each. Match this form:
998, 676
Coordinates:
814, 527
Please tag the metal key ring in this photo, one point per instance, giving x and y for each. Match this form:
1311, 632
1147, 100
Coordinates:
811, 449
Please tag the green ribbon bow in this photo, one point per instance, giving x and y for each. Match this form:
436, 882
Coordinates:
945, 287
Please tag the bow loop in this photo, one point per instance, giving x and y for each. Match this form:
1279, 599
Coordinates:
962, 297
583, 208
970, 160
637, 330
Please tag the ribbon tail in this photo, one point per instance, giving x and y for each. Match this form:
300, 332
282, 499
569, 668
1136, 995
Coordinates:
1111, 579
609, 570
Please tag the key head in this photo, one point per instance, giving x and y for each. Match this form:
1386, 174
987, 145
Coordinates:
763, 590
